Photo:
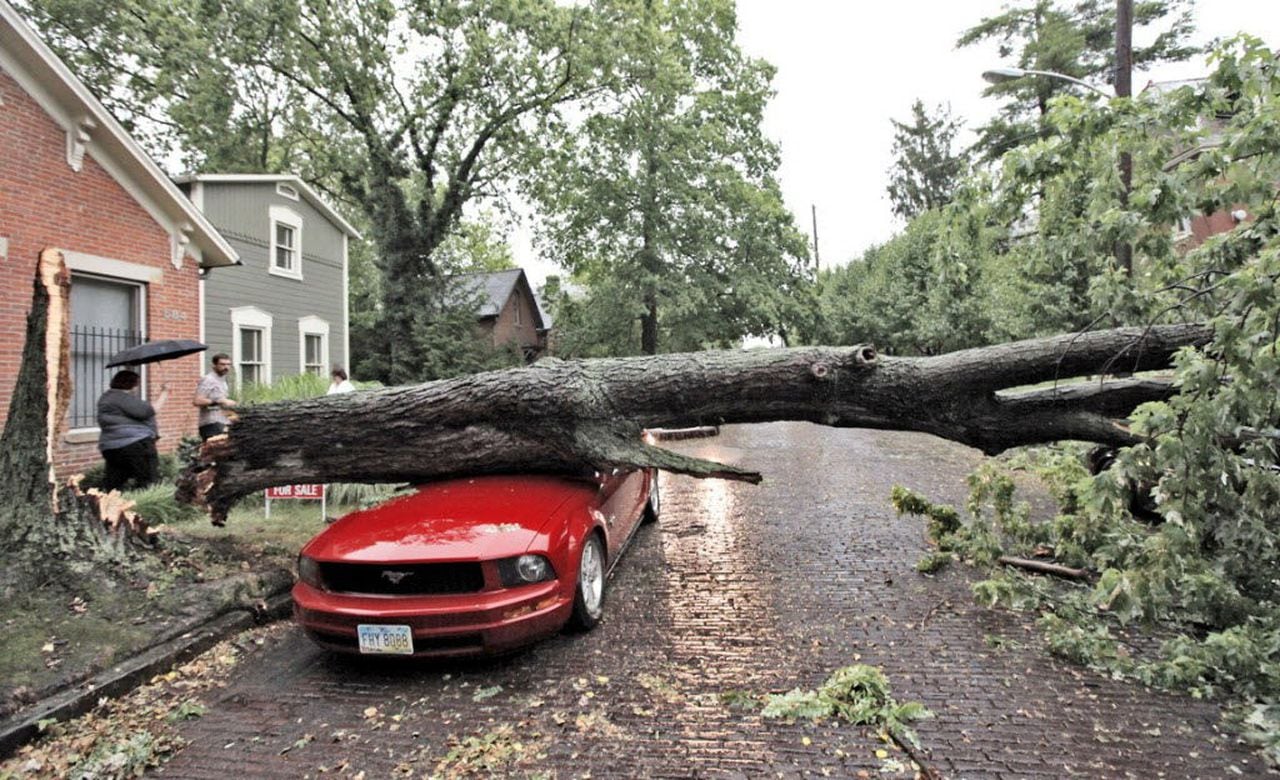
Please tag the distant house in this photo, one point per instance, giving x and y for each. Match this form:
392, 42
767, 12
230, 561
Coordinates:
72, 179
1195, 230
508, 311
283, 311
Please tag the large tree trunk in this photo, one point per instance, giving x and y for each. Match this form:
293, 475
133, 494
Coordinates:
567, 417
45, 521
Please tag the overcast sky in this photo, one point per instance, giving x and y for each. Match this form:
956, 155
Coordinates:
845, 69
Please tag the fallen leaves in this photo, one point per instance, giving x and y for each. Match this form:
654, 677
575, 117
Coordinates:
122, 738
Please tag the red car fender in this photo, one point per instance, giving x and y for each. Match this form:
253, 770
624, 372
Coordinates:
561, 541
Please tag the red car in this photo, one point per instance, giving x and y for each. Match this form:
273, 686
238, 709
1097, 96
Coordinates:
470, 566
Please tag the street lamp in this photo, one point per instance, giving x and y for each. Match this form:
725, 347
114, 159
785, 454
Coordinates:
999, 75
1123, 251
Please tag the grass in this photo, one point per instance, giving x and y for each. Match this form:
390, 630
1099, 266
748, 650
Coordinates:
69, 630
46, 638
291, 524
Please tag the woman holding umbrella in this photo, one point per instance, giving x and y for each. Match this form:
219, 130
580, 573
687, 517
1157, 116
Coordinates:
128, 422
128, 432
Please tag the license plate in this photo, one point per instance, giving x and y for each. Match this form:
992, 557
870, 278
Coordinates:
396, 640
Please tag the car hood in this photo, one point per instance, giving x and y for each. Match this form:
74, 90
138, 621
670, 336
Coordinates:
469, 519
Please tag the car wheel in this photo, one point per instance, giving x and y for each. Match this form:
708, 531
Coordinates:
588, 601
653, 507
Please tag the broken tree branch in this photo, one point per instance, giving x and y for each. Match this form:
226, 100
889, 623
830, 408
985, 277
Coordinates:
569, 417
1044, 567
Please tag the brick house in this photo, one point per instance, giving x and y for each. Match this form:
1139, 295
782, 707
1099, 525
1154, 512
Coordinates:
1193, 231
71, 178
508, 312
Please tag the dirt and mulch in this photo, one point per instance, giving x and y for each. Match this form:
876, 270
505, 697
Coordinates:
126, 736
57, 637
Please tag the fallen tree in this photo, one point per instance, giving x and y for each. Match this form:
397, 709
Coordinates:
569, 417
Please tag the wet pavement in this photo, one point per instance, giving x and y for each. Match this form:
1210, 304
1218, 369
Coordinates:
739, 590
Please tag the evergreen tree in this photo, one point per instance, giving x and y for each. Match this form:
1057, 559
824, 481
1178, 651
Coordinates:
1075, 39
925, 168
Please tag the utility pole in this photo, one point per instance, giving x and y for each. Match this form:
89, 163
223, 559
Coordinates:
1124, 89
817, 259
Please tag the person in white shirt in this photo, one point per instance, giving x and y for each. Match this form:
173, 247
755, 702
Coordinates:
340, 384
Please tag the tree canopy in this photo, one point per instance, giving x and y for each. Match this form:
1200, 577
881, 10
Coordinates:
664, 192
405, 111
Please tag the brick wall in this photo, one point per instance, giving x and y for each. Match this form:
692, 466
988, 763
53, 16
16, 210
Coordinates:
1203, 227
504, 329
44, 203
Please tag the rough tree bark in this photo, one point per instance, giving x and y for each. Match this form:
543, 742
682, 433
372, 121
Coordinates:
557, 416
38, 512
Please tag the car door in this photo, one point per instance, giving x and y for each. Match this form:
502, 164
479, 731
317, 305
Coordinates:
623, 505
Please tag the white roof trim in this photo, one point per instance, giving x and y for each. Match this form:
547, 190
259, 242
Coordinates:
92, 129
310, 194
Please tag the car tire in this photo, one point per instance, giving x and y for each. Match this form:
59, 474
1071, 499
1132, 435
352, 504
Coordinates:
653, 507
588, 596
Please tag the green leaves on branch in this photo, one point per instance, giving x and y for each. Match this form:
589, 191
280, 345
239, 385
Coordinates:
858, 694
662, 197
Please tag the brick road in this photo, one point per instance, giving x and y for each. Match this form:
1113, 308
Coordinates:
740, 588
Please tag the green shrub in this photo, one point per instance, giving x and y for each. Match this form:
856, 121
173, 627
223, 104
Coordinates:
286, 388
94, 476
157, 505
358, 494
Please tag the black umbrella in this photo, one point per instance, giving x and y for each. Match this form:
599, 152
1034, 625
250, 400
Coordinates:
154, 351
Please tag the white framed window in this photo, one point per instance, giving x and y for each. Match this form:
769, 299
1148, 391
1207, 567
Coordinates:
106, 317
287, 190
286, 243
252, 366
251, 345
1183, 230
313, 345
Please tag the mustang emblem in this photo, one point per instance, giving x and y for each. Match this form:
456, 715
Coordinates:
394, 577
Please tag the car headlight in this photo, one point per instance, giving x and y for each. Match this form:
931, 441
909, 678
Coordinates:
309, 572
525, 569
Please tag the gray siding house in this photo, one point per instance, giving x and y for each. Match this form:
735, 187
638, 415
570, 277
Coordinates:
283, 311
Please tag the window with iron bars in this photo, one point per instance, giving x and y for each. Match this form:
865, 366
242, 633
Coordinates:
105, 318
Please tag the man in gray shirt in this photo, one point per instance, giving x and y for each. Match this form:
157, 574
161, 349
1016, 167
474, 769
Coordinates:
212, 398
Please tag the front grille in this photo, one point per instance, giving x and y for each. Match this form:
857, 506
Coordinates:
410, 579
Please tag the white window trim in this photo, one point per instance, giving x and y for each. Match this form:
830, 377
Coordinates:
1183, 230
257, 319
109, 268
287, 191
285, 216
312, 325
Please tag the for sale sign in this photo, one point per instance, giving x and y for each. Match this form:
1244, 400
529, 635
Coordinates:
310, 492
313, 492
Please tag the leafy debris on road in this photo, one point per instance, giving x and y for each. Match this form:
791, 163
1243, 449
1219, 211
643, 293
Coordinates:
123, 738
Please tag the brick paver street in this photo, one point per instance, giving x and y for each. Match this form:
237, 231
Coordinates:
740, 590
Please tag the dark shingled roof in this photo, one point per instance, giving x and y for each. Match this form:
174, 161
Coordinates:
494, 288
